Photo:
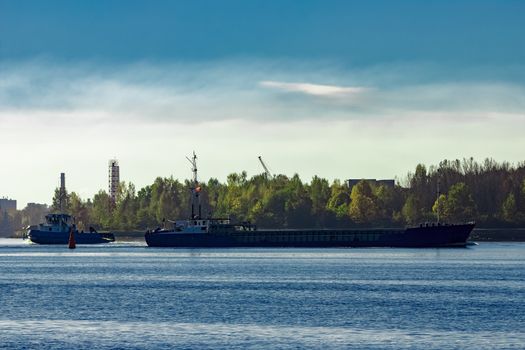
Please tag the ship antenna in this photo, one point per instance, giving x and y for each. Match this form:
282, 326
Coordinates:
193, 162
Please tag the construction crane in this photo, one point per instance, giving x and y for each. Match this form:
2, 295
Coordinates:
266, 171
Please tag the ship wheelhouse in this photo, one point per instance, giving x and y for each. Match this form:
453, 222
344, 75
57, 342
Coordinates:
198, 225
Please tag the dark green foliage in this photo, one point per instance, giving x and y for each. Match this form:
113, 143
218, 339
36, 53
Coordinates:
488, 192
80, 210
457, 205
363, 205
59, 197
509, 209
339, 200
413, 209
491, 193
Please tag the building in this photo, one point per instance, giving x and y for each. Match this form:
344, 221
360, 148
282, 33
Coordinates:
373, 182
8, 205
113, 179
7, 208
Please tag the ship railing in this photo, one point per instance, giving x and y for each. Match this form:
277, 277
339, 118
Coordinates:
246, 226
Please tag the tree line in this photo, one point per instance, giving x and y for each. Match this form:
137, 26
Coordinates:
488, 192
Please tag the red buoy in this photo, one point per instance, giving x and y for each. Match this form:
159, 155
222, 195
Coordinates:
72, 244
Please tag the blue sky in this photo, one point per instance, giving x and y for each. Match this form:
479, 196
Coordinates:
361, 33
346, 89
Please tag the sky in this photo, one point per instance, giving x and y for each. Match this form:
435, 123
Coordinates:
339, 89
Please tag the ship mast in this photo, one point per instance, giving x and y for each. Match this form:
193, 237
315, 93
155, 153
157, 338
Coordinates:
195, 190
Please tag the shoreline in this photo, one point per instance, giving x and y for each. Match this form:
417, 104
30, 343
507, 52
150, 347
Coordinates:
477, 235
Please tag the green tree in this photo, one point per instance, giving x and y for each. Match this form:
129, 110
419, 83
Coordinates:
80, 211
386, 201
509, 209
126, 206
271, 209
339, 200
412, 210
319, 190
363, 206
102, 210
458, 204
298, 205
423, 186
439, 207
59, 198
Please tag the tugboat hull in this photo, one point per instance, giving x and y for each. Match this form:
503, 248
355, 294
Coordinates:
53, 237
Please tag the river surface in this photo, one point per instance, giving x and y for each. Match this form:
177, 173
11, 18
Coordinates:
128, 296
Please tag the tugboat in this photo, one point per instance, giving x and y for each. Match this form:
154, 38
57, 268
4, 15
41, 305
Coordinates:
57, 228
198, 232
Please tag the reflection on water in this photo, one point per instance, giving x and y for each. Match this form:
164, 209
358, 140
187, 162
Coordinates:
126, 295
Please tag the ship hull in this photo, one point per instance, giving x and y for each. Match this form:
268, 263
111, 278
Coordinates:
53, 237
416, 237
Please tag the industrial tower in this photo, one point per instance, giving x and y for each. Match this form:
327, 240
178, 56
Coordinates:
114, 179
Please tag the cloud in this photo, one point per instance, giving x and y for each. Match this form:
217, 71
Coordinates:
315, 89
260, 91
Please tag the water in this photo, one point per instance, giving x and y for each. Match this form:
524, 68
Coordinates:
130, 296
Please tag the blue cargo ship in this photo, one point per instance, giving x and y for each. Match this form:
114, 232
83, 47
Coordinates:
57, 228
221, 233
215, 232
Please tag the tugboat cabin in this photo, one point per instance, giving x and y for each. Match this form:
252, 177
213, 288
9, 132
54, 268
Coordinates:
57, 223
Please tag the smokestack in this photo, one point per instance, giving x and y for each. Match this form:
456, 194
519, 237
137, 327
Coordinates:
62, 182
62, 194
